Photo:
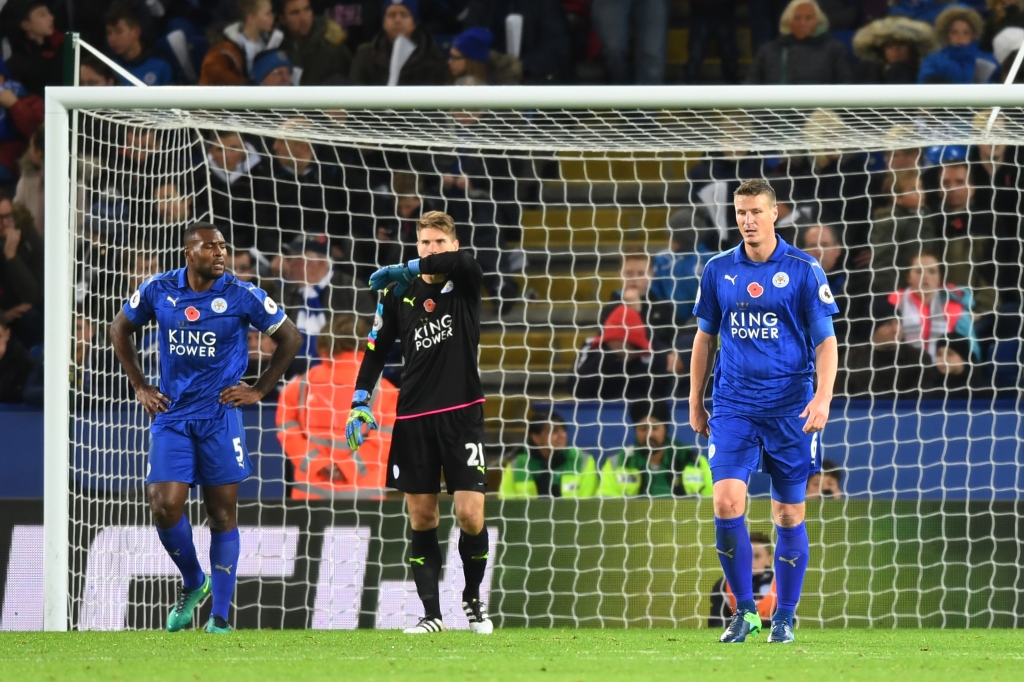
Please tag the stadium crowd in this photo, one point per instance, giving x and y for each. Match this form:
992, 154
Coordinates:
921, 246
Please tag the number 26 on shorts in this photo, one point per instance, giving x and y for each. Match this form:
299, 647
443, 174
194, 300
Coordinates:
476, 454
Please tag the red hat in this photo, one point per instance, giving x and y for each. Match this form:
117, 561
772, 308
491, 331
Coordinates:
625, 324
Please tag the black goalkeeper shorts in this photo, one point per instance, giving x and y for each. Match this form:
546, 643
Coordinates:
451, 441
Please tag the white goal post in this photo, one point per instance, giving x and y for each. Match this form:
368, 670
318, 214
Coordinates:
604, 120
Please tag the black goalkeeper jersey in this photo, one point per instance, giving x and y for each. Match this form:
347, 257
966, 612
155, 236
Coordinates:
439, 326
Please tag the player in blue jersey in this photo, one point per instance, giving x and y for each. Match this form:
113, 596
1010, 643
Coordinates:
771, 306
203, 318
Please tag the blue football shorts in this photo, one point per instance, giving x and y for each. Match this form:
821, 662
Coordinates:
199, 451
790, 455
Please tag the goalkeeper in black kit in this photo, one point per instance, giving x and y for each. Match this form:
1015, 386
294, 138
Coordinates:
433, 305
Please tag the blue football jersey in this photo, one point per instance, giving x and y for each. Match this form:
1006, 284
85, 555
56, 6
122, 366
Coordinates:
203, 337
763, 313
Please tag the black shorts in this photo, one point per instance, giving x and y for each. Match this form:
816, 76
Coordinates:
422, 446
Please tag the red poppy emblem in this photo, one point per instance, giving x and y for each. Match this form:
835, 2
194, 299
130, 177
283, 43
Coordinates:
755, 289
429, 305
191, 314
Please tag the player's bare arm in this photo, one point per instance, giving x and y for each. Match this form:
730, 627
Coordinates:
122, 336
702, 362
289, 342
826, 363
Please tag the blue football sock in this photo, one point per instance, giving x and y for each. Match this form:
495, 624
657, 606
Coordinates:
736, 555
178, 543
224, 562
792, 553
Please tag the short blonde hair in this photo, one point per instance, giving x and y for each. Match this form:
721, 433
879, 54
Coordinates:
787, 16
439, 220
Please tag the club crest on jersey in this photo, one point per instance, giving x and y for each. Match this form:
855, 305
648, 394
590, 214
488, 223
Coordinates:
780, 279
428, 305
755, 289
219, 305
449, 285
191, 314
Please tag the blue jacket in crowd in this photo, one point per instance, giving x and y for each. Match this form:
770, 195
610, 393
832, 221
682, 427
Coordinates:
677, 276
962, 65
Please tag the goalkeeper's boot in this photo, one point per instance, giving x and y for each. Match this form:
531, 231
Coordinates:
188, 600
742, 625
426, 626
479, 622
781, 633
217, 625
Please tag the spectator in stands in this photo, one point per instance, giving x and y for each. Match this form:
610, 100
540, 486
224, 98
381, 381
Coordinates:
425, 64
15, 366
314, 290
315, 45
235, 168
897, 232
21, 272
960, 61
544, 49
804, 53
1004, 48
242, 264
272, 67
890, 50
471, 55
930, 307
723, 601
229, 62
713, 19
827, 484
398, 211
21, 113
29, 192
656, 465
93, 72
632, 32
966, 230
888, 366
547, 466
37, 55
675, 272
955, 372
307, 191
828, 185
311, 417
821, 243
921, 10
1005, 14
124, 36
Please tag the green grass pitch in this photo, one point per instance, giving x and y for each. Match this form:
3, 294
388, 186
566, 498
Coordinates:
619, 655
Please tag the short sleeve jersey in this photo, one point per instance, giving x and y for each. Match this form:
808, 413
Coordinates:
203, 337
763, 313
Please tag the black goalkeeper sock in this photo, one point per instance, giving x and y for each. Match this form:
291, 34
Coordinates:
473, 549
425, 559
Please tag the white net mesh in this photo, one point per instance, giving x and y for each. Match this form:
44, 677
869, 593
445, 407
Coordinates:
914, 215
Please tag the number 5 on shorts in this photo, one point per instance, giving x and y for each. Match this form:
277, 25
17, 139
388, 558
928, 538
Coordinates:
240, 457
476, 454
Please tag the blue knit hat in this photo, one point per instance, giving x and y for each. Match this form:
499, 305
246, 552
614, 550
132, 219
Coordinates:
267, 61
412, 5
474, 43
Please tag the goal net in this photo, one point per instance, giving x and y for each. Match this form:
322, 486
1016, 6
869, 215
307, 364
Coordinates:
592, 223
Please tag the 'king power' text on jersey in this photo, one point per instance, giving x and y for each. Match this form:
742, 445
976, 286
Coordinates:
439, 327
763, 313
204, 337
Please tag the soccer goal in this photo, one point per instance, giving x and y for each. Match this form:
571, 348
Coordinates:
910, 197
